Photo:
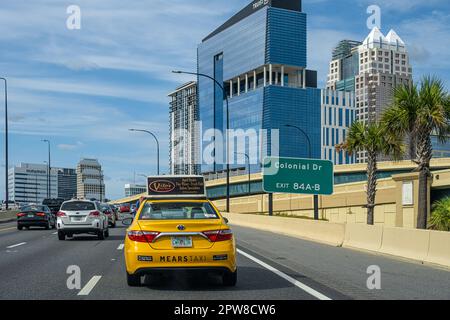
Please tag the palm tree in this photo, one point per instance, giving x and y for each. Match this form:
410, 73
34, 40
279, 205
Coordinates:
432, 116
432, 113
372, 139
402, 115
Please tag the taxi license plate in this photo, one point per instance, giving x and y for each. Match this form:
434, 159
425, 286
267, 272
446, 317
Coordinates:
31, 216
182, 242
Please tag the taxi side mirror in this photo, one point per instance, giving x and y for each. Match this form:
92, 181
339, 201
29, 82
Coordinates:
226, 220
127, 222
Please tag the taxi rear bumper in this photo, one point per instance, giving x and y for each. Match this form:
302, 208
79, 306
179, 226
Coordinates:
190, 270
140, 258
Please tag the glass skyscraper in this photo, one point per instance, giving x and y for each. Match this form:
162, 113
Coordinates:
260, 56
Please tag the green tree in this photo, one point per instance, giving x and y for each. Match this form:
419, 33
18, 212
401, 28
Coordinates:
418, 113
373, 139
401, 116
440, 217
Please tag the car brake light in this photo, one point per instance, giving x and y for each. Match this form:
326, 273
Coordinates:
40, 214
61, 214
219, 235
95, 213
142, 236
21, 214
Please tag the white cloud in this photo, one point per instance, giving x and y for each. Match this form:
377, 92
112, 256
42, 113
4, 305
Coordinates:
71, 147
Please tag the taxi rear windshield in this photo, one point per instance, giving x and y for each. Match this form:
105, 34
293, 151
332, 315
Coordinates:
178, 211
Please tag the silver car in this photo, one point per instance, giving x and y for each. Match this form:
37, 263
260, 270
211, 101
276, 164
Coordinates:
82, 217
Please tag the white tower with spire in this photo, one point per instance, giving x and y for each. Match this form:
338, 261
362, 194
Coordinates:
383, 65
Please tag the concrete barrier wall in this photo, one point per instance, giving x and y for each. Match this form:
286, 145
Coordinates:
363, 236
320, 231
407, 243
439, 251
420, 245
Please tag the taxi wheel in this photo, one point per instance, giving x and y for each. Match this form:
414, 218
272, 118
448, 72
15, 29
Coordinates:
19, 227
133, 280
229, 279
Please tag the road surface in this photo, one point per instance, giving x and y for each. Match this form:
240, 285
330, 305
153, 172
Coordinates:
33, 265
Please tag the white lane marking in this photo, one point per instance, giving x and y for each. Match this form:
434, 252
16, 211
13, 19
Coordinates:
55, 233
16, 245
8, 229
120, 247
295, 282
89, 286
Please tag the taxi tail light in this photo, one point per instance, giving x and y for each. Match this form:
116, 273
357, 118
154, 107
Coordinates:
21, 214
94, 214
219, 235
40, 214
61, 214
142, 236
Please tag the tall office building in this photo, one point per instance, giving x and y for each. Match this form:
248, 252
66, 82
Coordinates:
338, 114
260, 56
28, 183
67, 183
90, 180
383, 65
134, 189
371, 69
184, 137
344, 66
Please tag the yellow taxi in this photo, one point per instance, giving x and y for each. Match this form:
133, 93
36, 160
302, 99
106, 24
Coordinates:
176, 228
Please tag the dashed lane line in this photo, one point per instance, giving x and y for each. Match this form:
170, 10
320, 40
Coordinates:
295, 282
120, 247
16, 245
89, 286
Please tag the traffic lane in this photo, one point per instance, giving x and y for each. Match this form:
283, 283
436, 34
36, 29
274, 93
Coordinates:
38, 270
345, 270
254, 283
9, 235
6, 228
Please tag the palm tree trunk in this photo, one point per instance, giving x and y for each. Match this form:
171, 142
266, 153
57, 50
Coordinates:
424, 153
371, 186
422, 217
412, 145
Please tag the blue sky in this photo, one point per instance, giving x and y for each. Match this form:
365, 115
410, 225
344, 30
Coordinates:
84, 89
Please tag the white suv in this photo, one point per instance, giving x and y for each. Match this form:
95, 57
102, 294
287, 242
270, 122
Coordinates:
82, 216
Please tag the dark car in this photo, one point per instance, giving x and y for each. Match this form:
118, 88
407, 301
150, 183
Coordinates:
53, 204
35, 216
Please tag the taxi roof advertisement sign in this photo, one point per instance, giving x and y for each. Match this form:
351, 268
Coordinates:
176, 186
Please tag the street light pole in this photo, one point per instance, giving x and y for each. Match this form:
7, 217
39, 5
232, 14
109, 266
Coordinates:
157, 142
49, 187
249, 173
6, 145
228, 126
316, 197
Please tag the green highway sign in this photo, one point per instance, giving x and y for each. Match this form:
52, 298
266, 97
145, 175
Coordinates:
299, 176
